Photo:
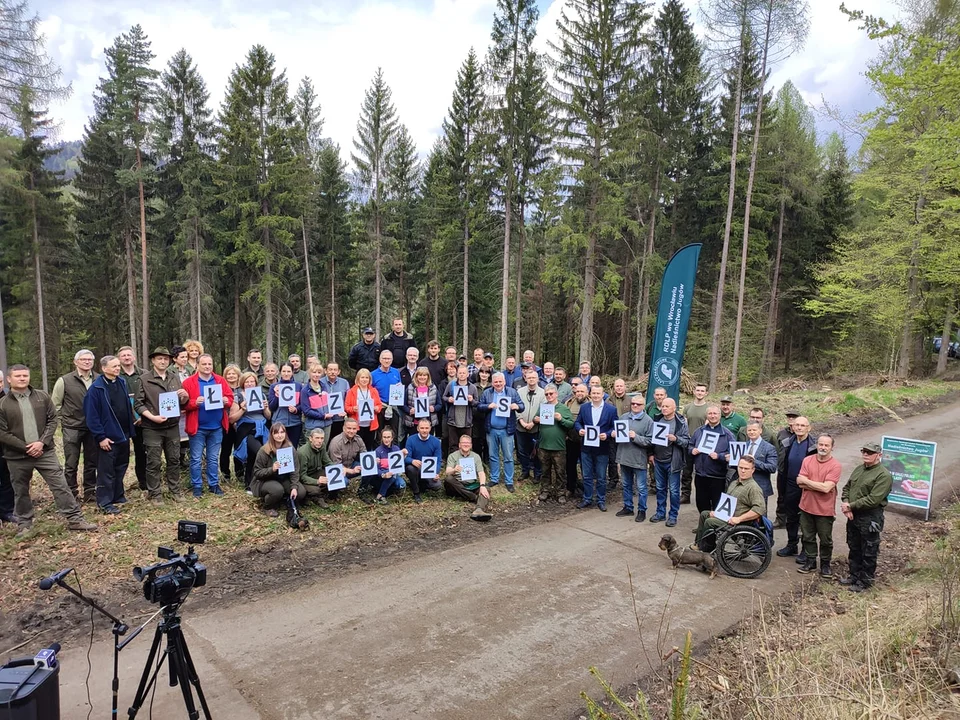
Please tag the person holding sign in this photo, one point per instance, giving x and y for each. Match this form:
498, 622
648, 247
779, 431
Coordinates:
502, 404
250, 415
595, 420
764, 454
205, 427
552, 447
161, 433
710, 446
457, 486
345, 450
744, 502
363, 405
269, 482
460, 398
389, 474
422, 401
314, 406
668, 460
420, 445
333, 384
383, 378
863, 499
528, 426
633, 457
284, 399
818, 480
314, 459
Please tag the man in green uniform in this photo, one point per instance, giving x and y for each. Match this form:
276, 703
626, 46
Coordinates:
863, 499
553, 448
696, 415
314, 461
474, 491
731, 420
750, 506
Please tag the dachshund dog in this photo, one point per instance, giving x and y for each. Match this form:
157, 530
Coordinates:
688, 556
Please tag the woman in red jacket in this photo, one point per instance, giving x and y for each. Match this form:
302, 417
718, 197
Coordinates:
361, 398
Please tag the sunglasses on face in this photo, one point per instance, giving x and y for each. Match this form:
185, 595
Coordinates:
868, 452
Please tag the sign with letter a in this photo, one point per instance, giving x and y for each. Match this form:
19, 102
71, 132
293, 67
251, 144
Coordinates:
365, 411
726, 507
253, 399
460, 395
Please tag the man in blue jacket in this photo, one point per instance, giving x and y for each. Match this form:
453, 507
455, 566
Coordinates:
594, 459
109, 417
764, 456
711, 465
503, 404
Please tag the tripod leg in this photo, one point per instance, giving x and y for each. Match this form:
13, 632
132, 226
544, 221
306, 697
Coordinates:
190, 671
145, 686
178, 670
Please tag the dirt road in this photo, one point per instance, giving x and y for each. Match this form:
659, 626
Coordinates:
499, 629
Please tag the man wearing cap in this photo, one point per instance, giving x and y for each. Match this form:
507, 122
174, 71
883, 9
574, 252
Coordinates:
161, 435
68, 393
731, 420
785, 434
795, 449
366, 353
862, 501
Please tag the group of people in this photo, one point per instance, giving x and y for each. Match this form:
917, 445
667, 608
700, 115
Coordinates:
431, 422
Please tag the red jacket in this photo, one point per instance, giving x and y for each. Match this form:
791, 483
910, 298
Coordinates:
190, 412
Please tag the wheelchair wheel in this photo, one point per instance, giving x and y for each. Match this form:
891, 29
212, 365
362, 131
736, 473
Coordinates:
743, 552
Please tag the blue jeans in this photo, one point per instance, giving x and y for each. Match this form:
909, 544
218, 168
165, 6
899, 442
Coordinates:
209, 440
594, 473
667, 480
499, 442
526, 447
634, 477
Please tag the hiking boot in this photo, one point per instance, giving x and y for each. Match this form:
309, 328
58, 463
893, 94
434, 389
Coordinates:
81, 525
624, 512
672, 522
216, 490
480, 515
787, 551
602, 506
858, 588
157, 501
24, 527
849, 580
271, 513
417, 499
584, 504
807, 567
110, 510
657, 518
641, 516
562, 499
511, 488
825, 571
524, 476
322, 503
802, 558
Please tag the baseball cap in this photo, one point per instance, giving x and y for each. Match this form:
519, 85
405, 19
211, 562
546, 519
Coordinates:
792, 413
872, 447
488, 356
368, 331
726, 398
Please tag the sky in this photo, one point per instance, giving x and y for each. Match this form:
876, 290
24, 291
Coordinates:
420, 44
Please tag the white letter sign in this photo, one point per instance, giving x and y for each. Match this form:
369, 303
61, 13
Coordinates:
368, 464
591, 436
213, 397
621, 431
660, 433
336, 477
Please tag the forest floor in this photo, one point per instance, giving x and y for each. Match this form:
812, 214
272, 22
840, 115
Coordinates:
265, 553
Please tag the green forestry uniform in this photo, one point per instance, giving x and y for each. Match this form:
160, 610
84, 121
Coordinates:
749, 496
866, 492
553, 453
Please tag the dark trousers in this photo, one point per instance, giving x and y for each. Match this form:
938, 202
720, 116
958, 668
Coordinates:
454, 488
140, 459
335, 429
227, 447
160, 444
273, 493
791, 508
527, 453
451, 437
686, 477
553, 482
479, 433
247, 430
111, 467
781, 511
369, 438
21, 473
413, 475
817, 527
6, 490
709, 489
75, 441
573, 458
863, 540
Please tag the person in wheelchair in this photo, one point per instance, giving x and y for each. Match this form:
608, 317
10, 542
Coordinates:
750, 508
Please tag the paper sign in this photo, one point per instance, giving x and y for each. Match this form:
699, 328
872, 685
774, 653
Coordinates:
365, 411
396, 394
429, 467
503, 406
660, 433
421, 407
708, 442
253, 399
395, 462
546, 413
621, 431
591, 436
368, 464
169, 405
287, 394
460, 395
726, 508
737, 449
335, 401
468, 469
285, 458
213, 397
336, 477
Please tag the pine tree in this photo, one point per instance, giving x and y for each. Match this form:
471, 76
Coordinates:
403, 180
376, 132
311, 128
333, 230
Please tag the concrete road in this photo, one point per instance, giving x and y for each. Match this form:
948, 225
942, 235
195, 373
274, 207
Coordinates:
500, 629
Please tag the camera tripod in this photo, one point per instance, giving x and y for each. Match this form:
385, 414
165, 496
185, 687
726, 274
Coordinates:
182, 670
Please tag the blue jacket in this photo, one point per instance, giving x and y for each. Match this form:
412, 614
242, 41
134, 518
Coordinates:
608, 415
281, 415
383, 380
487, 397
703, 463
101, 420
766, 460
313, 417
418, 449
512, 376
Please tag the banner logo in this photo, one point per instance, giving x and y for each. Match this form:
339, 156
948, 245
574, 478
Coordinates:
665, 371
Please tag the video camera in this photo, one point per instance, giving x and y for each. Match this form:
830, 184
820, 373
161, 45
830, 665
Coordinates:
169, 582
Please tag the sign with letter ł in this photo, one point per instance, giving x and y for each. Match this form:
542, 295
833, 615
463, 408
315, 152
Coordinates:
213, 397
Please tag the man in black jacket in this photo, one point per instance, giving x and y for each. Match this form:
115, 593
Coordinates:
795, 448
397, 342
366, 353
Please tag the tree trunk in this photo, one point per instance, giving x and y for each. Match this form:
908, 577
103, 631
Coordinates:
466, 275
267, 297
236, 323
3, 341
306, 267
332, 350
770, 334
377, 264
522, 238
731, 191
505, 280
639, 364
131, 290
41, 325
590, 261
644, 272
945, 339
749, 200
906, 341
199, 298
625, 322
145, 331
436, 308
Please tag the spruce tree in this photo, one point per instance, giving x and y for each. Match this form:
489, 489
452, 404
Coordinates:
403, 179
333, 232
310, 124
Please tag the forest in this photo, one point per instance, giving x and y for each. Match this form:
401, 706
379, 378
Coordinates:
541, 218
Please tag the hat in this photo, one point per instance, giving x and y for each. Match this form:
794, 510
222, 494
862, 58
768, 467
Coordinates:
726, 398
462, 357
792, 413
488, 356
871, 447
160, 350
367, 331
526, 365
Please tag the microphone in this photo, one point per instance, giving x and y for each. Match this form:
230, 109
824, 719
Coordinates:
48, 582
47, 658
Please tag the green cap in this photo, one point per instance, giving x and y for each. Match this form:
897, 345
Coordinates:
161, 350
726, 398
871, 447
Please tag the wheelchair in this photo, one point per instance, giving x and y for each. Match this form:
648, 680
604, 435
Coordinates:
743, 551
